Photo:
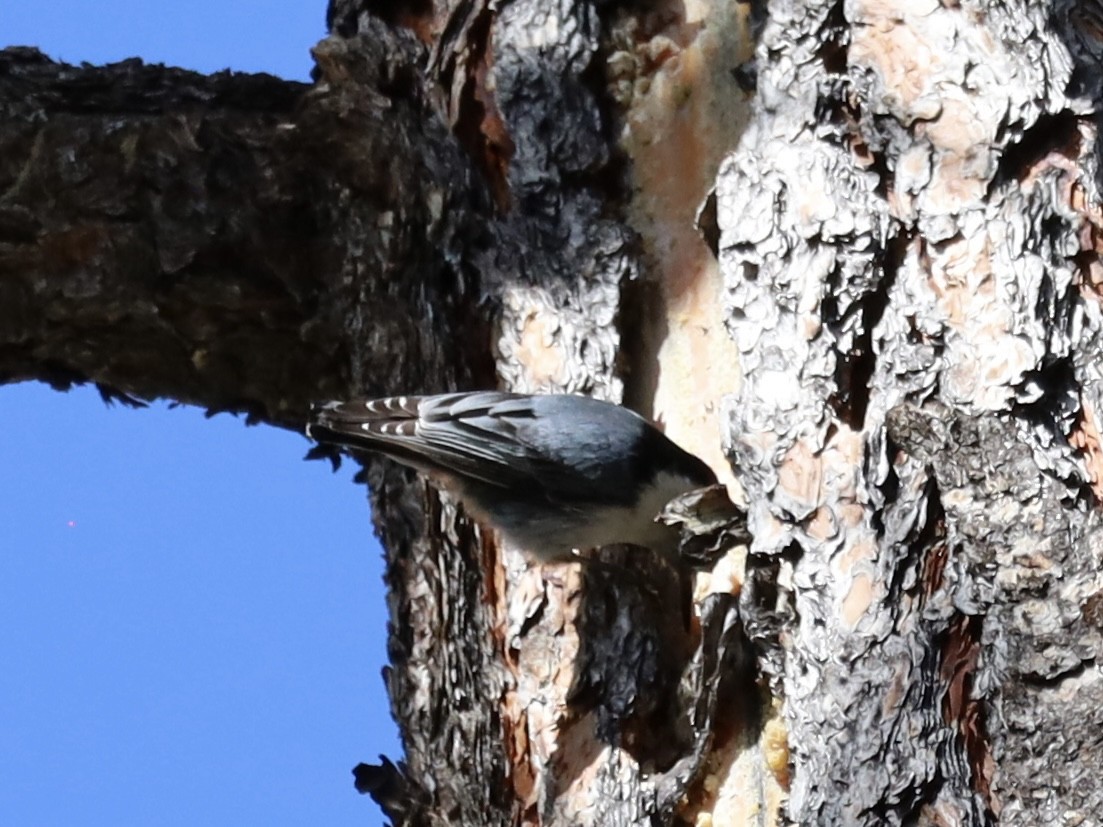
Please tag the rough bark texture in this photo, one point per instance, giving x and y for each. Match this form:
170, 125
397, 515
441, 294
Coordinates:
909, 219
216, 239
892, 295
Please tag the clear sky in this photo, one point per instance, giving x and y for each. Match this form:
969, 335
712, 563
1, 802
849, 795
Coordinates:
192, 619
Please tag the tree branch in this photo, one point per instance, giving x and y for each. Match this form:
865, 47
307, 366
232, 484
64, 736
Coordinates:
234, 241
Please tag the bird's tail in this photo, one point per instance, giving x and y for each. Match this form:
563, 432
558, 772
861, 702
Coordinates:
455, 434
383, 425
393, 416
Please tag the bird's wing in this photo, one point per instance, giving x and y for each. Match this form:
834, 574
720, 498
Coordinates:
468, 435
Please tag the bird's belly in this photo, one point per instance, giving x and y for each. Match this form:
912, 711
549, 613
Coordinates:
556, 536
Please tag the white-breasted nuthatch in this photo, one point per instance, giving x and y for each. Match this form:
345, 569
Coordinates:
552, 473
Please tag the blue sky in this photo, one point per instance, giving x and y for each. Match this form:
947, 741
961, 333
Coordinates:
192, 619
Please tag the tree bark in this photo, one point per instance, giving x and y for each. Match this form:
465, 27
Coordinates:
906, 236
846, 251
215, 239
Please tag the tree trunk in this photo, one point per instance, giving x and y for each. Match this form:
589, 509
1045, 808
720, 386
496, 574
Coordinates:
846, 252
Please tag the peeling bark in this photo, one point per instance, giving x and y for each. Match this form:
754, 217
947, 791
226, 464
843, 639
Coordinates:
903, 222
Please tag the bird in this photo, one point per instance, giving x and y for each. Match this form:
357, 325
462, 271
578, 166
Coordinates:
552, 473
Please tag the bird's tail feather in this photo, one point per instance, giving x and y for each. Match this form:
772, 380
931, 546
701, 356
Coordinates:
394, 427
393, 416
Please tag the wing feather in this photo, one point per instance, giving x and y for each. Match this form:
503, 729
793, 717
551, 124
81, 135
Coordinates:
467, 435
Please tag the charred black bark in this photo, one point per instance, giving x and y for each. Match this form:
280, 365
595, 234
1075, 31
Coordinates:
234, 241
